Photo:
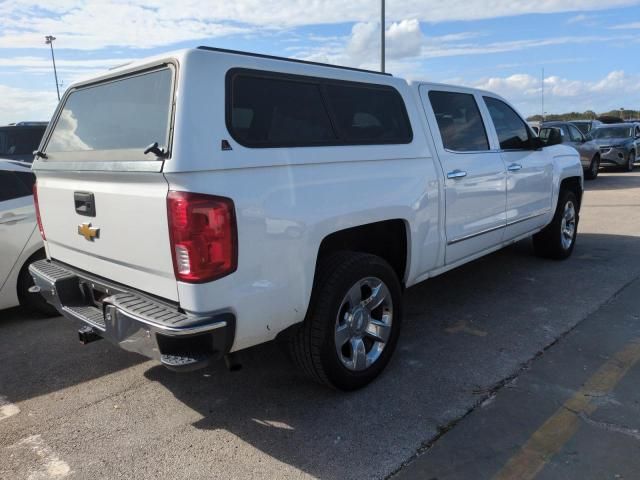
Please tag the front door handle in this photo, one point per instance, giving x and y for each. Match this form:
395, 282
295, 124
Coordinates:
514, 167
11, 218
456, 174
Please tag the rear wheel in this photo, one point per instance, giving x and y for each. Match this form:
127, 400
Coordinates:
33, 302
353, 322
594, 168
631, 160
558, 238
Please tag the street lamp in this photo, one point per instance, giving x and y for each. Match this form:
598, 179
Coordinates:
382, 36
49, 41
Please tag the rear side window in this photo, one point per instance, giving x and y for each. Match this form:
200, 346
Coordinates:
459, 121
269, 112
12, 187
512, 131
368, 114
129, 113
267, 109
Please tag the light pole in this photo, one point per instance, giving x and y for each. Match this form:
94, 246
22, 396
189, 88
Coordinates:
542, 85
49, 41
382, 36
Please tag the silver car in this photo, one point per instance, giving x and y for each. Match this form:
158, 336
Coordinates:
553, 133
618, 144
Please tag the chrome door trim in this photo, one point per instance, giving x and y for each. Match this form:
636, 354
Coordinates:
477, 234
528, 217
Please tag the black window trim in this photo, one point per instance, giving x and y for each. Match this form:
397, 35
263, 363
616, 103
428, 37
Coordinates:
527, 126
321, 82
484, 126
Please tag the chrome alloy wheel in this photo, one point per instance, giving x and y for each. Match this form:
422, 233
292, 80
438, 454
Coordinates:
363, 324
568, 225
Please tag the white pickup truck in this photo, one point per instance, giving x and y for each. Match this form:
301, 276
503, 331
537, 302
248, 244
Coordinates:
202, 202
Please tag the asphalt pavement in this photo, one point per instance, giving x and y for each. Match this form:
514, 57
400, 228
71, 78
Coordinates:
97, 412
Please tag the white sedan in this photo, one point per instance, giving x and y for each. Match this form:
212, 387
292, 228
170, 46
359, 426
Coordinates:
20, 240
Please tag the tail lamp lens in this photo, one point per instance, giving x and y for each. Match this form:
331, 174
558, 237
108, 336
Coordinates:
203, 233
35, 202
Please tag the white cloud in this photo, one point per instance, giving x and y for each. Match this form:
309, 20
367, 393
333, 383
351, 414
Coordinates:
563, 94
627, 26
93, 24
20, 105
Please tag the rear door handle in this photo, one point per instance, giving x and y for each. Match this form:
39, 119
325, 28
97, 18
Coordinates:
456, 174
514, 167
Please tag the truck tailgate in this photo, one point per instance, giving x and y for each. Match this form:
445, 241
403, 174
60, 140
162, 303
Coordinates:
131, 244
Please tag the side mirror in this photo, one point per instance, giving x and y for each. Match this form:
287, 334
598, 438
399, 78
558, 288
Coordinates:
550, 136
536, 143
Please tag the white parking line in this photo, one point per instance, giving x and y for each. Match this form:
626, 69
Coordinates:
50, 466
7, 409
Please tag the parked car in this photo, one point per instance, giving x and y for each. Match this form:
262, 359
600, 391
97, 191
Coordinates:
20, 241
618, 144
567, 133
19, 140
585, 126
280, 199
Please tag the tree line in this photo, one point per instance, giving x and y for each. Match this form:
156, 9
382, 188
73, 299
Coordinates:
588, 115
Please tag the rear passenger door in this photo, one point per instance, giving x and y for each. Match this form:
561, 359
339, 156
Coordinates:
529, 171
474, 175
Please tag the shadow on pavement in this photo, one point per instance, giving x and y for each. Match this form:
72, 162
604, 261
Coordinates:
617, 180
42, 355
464, 333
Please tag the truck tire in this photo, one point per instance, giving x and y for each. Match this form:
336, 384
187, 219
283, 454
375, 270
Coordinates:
557, 239
631, 160
594, 168
33, 302
353, 322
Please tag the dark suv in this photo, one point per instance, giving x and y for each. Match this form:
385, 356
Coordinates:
19, 140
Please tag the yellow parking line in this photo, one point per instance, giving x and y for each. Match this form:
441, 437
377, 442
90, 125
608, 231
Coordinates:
563, 424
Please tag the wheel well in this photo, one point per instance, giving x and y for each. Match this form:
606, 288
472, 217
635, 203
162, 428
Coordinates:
37, 255
573, 184
387, 239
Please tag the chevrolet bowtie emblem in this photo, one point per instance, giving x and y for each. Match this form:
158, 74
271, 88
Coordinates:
88, 232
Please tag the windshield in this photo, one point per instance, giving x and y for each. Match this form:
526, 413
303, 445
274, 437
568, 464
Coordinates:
584, 127
612, 132
130, 113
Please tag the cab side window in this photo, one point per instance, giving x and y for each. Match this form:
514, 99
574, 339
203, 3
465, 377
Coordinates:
512, 131
459, 121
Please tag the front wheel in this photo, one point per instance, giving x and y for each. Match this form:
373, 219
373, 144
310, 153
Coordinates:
353, 322
631, 160
594, 168
558, 238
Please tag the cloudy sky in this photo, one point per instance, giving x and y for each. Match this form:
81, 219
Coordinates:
590, 49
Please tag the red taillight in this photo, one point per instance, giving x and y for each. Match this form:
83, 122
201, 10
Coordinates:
38, 219
203, 234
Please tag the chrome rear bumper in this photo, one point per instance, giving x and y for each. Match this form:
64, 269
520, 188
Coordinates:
134, 321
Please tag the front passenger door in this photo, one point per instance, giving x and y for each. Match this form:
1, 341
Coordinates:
474, 175
529, 172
